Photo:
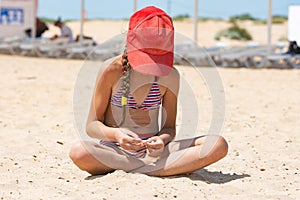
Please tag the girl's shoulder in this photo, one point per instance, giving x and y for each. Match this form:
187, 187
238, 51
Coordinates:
172, 76
111, 68
171, 81
113, 64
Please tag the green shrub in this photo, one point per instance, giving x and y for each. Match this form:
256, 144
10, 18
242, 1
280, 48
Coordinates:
260, 22
48, 20
181, 17
234, 32
283, 39
278, 19
205, 19
242, 17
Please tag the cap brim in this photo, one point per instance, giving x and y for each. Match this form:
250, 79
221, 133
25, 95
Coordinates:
156, 65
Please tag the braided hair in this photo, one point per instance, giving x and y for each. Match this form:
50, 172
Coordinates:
125, 84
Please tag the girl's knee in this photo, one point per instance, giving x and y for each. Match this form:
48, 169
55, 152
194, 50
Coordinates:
78, 152
82, 156
216, 147
222, 146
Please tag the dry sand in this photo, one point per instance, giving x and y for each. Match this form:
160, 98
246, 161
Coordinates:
37, 130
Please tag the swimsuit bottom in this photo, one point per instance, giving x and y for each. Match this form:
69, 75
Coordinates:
140, 153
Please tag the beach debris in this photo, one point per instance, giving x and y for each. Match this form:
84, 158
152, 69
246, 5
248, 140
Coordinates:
247, 125
59, 142
34, 157
28, 78
262, 169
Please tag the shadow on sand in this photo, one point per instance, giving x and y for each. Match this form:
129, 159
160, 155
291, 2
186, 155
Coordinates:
199, 175
212, 177
93, 177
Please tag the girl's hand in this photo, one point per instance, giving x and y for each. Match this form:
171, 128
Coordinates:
129, 140
155, 146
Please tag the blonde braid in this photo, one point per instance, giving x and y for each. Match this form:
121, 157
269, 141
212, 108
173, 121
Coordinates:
125, 85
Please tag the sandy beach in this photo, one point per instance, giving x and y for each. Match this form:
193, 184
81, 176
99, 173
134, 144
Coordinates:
37, 130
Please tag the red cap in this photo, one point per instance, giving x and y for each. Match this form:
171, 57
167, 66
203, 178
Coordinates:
150, 42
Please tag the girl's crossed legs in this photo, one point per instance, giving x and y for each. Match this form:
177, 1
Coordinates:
179, 157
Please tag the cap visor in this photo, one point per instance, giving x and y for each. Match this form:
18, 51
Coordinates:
156, 65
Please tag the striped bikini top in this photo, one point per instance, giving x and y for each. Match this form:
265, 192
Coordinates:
152, 101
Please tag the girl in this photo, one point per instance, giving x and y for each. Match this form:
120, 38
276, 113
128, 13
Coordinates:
129, 95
